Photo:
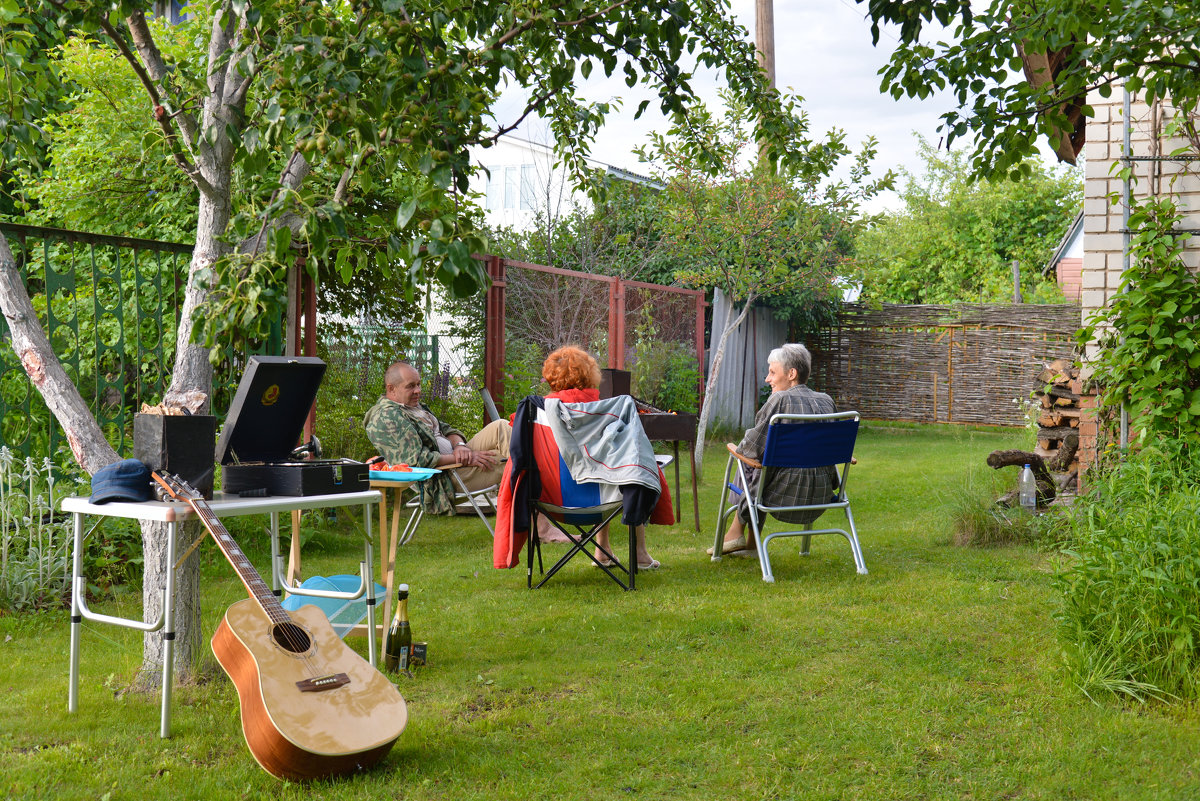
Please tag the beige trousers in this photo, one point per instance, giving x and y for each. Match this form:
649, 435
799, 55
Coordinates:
492, 438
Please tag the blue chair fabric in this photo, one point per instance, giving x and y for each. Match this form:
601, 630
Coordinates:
795, 441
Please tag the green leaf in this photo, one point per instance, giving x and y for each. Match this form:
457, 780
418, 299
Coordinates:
405, 212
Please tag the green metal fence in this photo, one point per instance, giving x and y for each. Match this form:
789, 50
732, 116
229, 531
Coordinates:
110, 306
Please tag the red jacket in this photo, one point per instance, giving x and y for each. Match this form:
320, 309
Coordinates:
511, 524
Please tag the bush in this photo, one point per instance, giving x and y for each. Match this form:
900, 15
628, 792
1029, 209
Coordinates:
979, 521
1129, 621
665, 375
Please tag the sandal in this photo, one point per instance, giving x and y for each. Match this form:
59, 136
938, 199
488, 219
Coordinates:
729, 546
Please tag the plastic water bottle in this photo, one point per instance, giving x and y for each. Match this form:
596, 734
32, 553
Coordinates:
1027, 487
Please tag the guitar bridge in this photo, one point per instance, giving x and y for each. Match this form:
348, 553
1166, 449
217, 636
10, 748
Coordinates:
322, 683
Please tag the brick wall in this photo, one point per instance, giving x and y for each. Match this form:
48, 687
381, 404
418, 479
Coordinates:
1102, 232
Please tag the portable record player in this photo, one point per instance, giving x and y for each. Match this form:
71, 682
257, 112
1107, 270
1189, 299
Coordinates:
264, 424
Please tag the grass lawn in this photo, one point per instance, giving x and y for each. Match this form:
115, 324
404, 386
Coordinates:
935, 676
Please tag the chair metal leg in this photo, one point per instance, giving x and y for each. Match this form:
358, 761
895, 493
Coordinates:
806, 541
719, 534
760, 544
633, 565
859, 564
582, 542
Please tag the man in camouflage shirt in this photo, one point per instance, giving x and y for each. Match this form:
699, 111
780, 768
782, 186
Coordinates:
405, 431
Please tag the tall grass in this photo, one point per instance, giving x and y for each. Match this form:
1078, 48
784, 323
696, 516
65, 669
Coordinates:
979, 521
1130, 616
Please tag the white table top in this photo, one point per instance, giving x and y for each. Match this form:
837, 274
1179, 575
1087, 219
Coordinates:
222, 505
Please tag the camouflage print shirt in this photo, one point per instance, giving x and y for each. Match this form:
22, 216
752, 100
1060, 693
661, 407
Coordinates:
401, 438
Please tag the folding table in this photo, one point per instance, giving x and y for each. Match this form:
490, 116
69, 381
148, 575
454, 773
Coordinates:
174, 513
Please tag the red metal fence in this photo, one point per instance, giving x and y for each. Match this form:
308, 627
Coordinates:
655, 332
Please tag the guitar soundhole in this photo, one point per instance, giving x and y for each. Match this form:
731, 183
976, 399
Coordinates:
291, 638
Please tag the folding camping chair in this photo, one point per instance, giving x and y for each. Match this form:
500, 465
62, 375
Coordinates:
794, 441
584, 507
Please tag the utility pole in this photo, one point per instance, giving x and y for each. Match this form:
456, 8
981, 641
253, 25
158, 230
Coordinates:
764, 36
764, 43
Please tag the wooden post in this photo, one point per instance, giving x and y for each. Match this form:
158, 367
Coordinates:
1016, 275
700, 347
309, 292
616, 325
950, 379
764, 43
764, 36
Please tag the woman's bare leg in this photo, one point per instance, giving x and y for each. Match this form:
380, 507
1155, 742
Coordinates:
643, 555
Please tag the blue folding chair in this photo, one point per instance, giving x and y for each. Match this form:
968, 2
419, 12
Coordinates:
794, 440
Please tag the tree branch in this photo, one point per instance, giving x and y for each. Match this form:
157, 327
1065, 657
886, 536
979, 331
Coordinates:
159, 112
290, 180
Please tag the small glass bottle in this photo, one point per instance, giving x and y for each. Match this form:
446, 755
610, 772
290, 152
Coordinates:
398, 645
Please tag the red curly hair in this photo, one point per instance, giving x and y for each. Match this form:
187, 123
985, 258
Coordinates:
570, 367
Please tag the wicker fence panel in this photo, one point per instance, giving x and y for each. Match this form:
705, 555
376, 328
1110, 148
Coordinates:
959, 364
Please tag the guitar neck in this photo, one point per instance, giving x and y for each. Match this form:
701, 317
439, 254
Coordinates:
250, 577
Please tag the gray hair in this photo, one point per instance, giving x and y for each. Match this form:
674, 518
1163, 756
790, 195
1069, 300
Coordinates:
793, 357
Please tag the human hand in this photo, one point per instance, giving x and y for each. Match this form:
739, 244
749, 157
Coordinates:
483, 460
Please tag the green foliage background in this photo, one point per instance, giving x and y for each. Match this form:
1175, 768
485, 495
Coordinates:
954, 240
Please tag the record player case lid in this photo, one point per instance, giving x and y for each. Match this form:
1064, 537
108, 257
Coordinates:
267, 415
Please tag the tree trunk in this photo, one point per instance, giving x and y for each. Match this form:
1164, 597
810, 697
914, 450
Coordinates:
713, 373
193, 371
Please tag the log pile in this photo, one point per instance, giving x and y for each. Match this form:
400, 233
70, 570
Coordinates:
1058, 419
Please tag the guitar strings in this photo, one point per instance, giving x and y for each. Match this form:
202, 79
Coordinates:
292, 633
293, 637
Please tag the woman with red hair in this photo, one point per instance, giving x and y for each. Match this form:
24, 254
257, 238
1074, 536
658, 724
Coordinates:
574, 377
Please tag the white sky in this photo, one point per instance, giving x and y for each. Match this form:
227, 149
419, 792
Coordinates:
824, 54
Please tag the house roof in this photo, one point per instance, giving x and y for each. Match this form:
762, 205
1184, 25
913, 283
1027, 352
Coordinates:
1073, 232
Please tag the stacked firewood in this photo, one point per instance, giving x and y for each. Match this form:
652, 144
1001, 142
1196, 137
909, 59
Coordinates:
1054, 461
1058, 419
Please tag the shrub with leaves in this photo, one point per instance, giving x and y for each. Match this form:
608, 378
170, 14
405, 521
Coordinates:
35, 544
1149, 334
1129, 621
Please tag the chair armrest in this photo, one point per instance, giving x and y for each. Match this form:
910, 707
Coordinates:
744, 460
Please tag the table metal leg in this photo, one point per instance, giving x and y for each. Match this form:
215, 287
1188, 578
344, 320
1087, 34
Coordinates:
76, 616
675, 444
275, 558
369, 572
169, 632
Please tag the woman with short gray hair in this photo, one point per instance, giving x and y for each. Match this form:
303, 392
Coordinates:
788, 367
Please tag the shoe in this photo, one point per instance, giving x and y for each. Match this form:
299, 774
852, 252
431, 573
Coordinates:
730, 546
653, 564
745, 553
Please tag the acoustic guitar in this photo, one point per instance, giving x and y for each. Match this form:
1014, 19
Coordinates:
311, 707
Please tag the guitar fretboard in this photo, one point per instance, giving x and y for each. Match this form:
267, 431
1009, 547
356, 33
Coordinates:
250, 577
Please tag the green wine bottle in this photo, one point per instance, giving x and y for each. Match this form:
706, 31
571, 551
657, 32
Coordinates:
398, 645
